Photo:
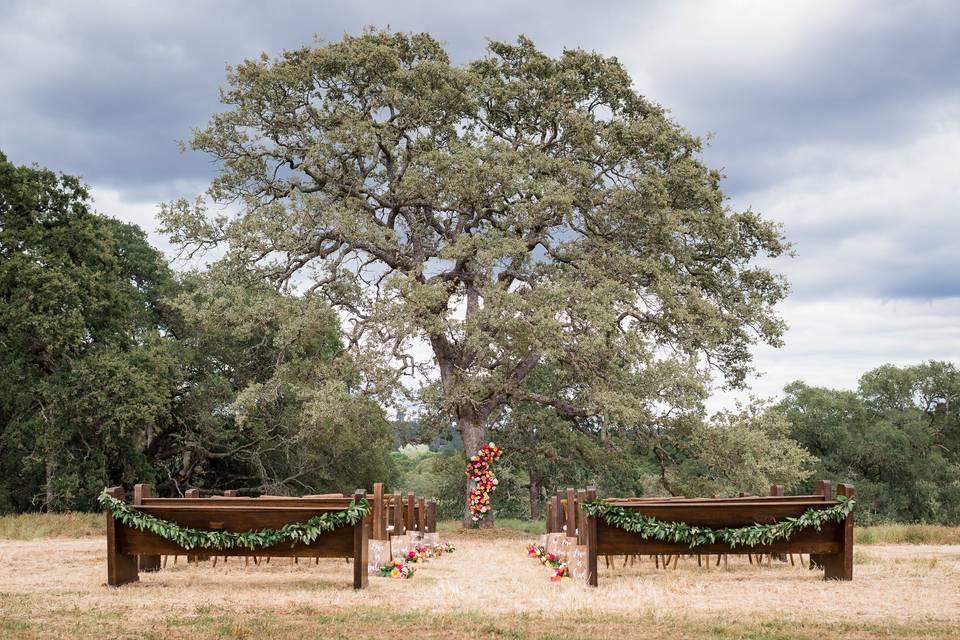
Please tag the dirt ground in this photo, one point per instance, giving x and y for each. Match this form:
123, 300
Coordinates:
488, 587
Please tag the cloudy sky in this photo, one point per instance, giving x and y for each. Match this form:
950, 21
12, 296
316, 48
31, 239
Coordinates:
839, 119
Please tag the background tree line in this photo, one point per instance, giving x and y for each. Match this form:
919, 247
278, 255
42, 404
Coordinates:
115, 368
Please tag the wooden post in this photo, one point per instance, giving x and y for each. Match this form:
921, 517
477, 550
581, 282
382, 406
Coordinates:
777, 490
558, 513
821, 488
398, 527
379, 526
581, 519
591, 536
549, 523
360, 548
432, 516
230, 493
121, 568
571, 514
147, 563
421, 515
840, 566
411, 507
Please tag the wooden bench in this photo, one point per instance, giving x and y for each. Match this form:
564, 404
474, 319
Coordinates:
229, 513
395, 514
830, 548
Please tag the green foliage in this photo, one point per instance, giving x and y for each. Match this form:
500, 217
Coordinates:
67, 524
83, 375
269, 398
113, 371
746, 450
189, 538
897, 438
749, 536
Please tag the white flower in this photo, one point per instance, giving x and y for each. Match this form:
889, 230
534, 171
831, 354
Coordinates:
492, 445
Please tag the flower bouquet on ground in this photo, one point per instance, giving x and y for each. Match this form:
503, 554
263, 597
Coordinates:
419, 553
552, 560
562, 573
397, 569
535, 551
441, 548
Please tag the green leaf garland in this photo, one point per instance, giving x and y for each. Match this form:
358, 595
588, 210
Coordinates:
188, 538
749, 536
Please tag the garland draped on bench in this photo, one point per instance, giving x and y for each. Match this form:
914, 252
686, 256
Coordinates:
749, 536
188, 538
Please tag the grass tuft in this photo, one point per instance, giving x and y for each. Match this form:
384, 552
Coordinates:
907, 534
33, 526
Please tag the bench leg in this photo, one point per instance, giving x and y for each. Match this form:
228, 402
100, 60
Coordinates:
121, 568
839, 566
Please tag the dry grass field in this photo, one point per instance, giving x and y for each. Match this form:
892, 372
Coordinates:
55, 588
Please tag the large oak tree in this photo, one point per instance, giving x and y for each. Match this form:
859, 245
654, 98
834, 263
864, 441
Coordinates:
516, 210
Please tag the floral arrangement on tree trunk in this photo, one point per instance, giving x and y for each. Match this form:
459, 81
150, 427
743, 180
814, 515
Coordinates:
397, 569
479, 470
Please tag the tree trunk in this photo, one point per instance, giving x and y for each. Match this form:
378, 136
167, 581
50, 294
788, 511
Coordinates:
474, 435
536, 481
49, 482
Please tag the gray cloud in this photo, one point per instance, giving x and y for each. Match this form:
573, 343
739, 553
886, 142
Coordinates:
840, 119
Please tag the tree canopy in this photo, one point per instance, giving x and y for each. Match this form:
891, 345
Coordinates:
82, 374
114, 370
897, 437
516, 210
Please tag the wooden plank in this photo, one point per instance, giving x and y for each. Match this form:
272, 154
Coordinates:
147, 563
379, 531
330, 544
570, 512
233, 518
581, 520
421, 515
242, 502
398, 526
235, 506
824, 489
121, 567
778, 492
411, 511
840, 565
432, 516
716, 499
591, 541
360, 549
732, 515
